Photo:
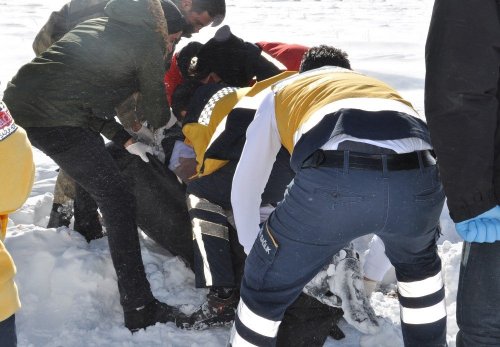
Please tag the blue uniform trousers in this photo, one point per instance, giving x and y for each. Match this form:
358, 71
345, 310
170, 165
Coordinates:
323, 210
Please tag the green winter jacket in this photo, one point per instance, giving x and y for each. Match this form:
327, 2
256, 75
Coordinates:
80, 79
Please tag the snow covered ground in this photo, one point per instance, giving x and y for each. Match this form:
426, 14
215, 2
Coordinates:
68, 287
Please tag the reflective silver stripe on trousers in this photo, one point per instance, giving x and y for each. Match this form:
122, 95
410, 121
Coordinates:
419, 289
254, 322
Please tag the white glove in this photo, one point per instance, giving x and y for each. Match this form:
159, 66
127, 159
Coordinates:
145, 135
159, 153
140, 149
159, 133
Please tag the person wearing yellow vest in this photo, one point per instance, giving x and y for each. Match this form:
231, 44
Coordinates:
215, 126
15, 149
362, 162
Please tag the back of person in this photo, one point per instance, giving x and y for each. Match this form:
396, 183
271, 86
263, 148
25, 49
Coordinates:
62, 21
362, 161
234, 61
100, 72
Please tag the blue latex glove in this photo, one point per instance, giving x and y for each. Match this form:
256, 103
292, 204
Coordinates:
482, 228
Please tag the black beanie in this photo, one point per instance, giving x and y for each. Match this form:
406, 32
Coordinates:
174, 17
228, 56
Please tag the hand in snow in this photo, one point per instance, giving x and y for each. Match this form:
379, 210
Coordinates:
483, 228
140, 149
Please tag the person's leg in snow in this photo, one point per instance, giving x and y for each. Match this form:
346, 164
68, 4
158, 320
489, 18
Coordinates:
62, 206
82, 154
87, 221
308, 322
478, 320
208, 200
274, 276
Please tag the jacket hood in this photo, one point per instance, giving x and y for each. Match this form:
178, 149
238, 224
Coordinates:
147, 13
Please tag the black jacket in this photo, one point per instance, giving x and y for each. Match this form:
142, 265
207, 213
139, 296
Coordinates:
462, 102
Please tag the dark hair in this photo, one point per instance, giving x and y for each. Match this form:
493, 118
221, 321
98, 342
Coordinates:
324, 55
182, 96
215, 8
184, 57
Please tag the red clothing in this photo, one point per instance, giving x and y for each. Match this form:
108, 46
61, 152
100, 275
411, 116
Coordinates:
287, 54
172, 78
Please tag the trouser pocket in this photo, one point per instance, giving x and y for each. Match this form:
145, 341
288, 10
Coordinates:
261, 258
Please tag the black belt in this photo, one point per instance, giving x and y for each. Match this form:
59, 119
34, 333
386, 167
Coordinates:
356, 160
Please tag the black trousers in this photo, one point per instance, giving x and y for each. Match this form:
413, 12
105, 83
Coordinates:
218, 256
82, 155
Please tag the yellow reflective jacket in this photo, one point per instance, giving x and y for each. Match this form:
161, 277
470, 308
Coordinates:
16, 180
201, 134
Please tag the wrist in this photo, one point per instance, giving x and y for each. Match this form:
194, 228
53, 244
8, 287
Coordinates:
129, 142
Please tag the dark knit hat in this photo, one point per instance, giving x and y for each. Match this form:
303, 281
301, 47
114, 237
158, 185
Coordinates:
175, 19
185, 56
228, 56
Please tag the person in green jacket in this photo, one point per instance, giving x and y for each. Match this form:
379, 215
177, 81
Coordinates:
196, 13
65, 99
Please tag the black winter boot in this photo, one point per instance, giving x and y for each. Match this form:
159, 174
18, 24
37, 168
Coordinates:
152, 313
60, 215
218, 310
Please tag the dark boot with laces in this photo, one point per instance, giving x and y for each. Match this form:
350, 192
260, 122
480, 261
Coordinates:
218, 310
60, 215
152, 313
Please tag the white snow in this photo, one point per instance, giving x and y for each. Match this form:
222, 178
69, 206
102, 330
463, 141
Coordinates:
68, 287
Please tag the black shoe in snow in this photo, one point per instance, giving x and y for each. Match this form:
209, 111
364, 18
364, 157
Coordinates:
90, 228
336, 333
218, 310
152, 313
60, 215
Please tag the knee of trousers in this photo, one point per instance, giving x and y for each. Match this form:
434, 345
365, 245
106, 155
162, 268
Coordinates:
207, 219
212, 250
118, 197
